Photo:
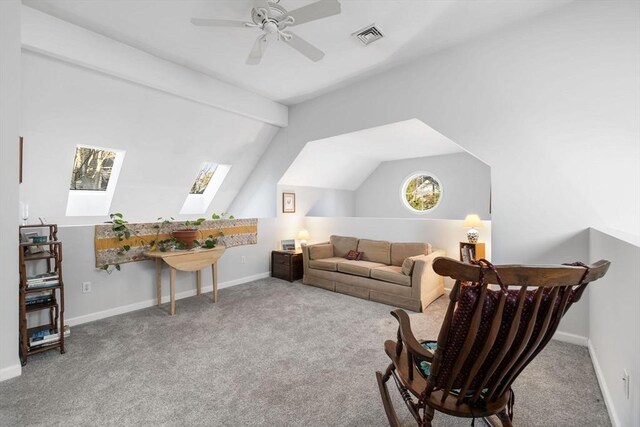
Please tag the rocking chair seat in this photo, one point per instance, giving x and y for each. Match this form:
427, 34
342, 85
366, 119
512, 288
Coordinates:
449, 406
425, 368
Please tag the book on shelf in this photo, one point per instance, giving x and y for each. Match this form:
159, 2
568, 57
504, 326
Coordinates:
41, 294
47, 336
43, 284
464, 254
44, 277
39, 300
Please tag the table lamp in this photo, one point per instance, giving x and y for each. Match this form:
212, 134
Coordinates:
473, 221
303, 236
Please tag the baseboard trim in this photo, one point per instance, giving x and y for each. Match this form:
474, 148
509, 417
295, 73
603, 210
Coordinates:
78, 320
10, 372
608, 400
571, 338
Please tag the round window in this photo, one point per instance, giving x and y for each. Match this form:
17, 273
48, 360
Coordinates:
421, 192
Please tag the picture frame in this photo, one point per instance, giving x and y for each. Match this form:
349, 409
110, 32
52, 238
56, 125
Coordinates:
288, 202
288, 245
21, 153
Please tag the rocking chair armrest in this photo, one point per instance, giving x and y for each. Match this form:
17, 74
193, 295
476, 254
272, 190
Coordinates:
407, 337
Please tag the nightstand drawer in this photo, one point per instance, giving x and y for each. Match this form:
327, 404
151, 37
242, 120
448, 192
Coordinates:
286, 265
279, 258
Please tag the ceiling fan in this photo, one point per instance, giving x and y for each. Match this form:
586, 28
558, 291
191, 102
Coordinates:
273, 20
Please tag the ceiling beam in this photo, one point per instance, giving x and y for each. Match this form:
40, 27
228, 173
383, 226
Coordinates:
62, 40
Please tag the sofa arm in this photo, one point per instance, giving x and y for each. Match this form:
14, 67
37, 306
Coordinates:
427, 285
305, 255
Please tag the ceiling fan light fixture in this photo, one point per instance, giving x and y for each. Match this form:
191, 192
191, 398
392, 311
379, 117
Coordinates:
273, 19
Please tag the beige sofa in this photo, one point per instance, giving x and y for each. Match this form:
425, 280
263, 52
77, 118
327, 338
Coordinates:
399, 274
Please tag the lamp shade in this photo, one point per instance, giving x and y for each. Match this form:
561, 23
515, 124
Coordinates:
303, 235
472, 221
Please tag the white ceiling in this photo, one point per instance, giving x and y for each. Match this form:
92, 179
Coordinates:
412, 28
348, 159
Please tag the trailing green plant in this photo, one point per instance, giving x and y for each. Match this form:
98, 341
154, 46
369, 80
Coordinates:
122, 233
195, 223
223, 215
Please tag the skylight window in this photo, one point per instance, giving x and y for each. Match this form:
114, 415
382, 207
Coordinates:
204, 188
203, 178
94, 175
92, 169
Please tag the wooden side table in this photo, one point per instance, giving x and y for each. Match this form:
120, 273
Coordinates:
192, 260
471, 251
286, 265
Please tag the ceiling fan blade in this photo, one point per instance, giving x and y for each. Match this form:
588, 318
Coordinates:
304, 47
260, 45
313, 11
204, 22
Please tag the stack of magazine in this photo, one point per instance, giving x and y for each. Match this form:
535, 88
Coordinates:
47, 336
43, 280
39, 297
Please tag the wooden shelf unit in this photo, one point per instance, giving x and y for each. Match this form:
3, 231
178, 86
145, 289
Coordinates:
475, 250
51, 255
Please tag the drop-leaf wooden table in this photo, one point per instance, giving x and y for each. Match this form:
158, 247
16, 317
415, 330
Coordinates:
185, 260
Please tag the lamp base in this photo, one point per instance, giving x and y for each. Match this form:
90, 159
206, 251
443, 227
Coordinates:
472, 235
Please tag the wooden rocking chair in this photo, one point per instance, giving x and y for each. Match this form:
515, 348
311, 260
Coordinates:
487, 338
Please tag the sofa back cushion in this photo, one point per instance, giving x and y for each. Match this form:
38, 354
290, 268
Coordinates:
342, 245
375, 251
321, 251
401, 251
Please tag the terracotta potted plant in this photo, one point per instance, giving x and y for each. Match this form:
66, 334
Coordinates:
187, 238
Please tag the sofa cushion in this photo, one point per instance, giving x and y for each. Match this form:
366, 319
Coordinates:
392, 274
342, 245
375, 250
401, 251
321, 251
408, 263
359, 268
354, 256
328, 264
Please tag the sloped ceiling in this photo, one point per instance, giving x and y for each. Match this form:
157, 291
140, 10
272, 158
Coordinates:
343, 162
412, 28
166, 139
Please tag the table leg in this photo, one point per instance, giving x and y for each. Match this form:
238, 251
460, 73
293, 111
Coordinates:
214, 275
159, 280
172, 308
198, 282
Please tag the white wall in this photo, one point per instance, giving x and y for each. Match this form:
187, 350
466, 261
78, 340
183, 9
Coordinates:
466, 188
166, 139
9, 133
614, 341
552, 105
133, 287
314, 201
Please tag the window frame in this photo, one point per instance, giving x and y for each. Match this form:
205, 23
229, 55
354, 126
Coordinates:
403, 189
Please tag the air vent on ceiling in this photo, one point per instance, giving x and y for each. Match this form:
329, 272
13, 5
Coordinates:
368, 34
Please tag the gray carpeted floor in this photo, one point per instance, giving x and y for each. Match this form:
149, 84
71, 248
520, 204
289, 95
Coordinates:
268, 353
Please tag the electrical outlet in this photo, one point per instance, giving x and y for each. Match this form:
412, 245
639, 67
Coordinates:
626, 379
243, 259
86, 287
